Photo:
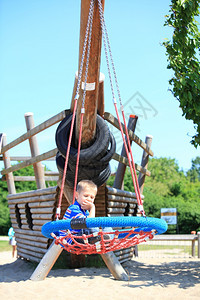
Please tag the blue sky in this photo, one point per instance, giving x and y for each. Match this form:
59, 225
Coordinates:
39, 57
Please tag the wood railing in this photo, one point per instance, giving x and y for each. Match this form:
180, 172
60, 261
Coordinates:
35, 160
180, 238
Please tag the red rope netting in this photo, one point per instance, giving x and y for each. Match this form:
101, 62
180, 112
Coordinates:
105, 241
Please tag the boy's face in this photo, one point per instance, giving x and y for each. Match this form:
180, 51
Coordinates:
86, 197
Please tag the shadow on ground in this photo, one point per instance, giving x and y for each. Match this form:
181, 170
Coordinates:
183, 274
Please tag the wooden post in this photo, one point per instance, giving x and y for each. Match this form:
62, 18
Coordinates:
7, 164
38, 169
114, 266
119, 177
100, 106
193, 248
144, 163
198, 239
89, 121
47, 262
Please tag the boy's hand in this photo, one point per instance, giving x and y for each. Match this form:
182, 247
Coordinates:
87, 205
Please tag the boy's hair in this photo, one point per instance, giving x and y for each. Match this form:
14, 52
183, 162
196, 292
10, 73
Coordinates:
86, 183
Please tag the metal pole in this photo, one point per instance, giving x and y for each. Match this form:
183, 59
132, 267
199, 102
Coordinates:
198, 239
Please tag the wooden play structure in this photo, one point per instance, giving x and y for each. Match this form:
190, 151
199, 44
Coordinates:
30, 210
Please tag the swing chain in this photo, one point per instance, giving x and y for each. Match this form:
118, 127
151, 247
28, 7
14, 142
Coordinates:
105, 34
128, 151
105, 48
88, 28
89, 22
83, 100
88, 53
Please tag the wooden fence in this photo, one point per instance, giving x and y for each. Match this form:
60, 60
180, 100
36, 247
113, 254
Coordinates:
168, 243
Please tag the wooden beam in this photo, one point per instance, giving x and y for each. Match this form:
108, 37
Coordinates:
31, 178
23, 158
55, 119
31, 161
144, 163
89, 121
125, 161
121, 199
47, 262
35, 193
133, 137
118, 192
119, 177
38, 168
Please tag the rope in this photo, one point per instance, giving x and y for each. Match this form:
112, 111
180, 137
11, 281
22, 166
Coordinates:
82, 245
83, 103
88, 30
128, 149
139, 230
83, 99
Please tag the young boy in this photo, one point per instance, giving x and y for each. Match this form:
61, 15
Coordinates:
83, 207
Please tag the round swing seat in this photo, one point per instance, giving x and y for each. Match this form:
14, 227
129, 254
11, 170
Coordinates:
140, 229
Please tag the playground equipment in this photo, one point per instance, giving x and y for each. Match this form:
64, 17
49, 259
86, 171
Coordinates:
31, 210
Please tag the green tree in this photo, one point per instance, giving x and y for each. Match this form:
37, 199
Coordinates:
183, 57
4, 210
167, 187
194, 172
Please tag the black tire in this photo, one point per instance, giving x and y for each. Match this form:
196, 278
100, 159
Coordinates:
109, 153
96, 150
103, 176
98, 163
93, 171
102, 162
99, 179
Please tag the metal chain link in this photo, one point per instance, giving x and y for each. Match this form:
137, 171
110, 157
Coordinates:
88, 55
128, 151
106, 38
112, 61
90, 16
105, 47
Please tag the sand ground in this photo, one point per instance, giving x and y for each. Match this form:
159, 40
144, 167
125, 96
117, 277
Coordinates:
149, 279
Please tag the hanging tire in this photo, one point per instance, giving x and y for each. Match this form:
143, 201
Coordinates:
83, 173
88, 169
97, 150
103, 176
97, 163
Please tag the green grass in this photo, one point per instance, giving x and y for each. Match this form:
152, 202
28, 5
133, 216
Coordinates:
4, 246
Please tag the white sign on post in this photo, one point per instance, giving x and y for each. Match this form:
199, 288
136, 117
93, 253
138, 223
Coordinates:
169, 215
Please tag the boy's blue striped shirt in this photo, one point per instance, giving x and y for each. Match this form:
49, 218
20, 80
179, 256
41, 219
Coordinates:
73, 211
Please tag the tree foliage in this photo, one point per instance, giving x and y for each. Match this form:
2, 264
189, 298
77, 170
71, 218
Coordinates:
178, 191
169, 187
183, 57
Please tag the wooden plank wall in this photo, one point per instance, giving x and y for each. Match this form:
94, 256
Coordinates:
28, 212
100, 202
121, 203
